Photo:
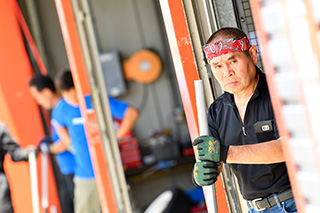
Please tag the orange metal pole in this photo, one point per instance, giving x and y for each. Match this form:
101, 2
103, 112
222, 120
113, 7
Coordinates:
186, 71
18, 109
276, 101
24, 27
79, 74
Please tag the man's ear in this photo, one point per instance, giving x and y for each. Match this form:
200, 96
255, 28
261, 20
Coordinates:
253, 54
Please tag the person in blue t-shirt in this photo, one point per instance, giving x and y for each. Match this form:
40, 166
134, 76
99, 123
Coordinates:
43, 90
68, 121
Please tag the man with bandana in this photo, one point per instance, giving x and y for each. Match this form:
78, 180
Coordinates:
243, 131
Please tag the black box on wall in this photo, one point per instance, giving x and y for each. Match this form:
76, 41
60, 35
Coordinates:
113, 73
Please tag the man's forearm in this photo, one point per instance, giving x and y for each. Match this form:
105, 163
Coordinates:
261, 153
63, 135
58, 147
130, 118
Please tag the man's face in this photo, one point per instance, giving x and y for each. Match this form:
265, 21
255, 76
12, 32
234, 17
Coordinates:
44, 98
235, 72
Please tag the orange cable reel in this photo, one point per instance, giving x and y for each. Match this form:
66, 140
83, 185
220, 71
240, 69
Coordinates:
143, 67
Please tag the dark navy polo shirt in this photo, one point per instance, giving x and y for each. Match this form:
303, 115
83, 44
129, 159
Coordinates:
255, 180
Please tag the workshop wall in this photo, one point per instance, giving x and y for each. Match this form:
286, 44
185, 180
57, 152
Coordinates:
127, 26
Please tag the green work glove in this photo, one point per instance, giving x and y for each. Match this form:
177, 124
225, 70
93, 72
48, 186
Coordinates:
210, 149
205, 173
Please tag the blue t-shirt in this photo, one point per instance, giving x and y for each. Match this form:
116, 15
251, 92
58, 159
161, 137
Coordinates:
65, 159
69, 116
117, 108
66, 115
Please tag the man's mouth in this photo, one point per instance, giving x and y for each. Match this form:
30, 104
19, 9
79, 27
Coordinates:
230, 84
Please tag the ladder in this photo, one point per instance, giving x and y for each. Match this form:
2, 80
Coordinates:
288, 35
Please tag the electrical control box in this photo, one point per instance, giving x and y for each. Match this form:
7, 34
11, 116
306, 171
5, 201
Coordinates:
113, 73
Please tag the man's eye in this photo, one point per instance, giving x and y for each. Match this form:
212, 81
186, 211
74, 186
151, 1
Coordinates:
217, 66
233, 61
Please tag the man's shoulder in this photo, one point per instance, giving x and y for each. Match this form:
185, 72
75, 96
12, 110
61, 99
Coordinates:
60, 109
115, 102
61, 106
219, 102
3, 127
219, 105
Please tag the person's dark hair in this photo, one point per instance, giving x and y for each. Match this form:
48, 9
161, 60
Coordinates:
41, 82
64, 80
230, 32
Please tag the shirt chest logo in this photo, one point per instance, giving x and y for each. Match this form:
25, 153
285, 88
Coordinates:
77, 121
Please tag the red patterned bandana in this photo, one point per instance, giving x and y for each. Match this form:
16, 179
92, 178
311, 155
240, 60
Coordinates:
226, 46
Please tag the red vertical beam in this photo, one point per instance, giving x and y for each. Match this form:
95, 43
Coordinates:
276, 101
18, 109
27, 35
24, 27
78, 69
186, 72
183, 60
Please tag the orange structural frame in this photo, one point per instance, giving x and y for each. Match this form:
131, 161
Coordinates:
186, 72
78, 69
19, 111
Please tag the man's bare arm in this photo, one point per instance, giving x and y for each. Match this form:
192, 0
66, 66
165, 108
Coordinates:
58, 147
261, 153
63, 135
130, 118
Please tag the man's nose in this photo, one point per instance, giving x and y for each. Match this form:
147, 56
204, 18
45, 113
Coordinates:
227, 71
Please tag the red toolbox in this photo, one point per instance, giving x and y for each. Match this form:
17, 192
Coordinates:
130, 152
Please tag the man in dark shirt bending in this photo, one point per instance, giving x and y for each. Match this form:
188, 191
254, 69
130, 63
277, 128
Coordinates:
8, 146
242, 127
